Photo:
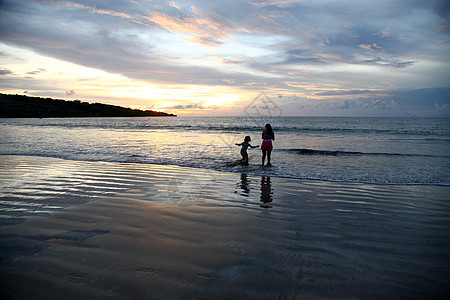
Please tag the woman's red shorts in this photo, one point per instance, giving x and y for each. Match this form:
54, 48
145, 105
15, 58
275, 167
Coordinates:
266, 145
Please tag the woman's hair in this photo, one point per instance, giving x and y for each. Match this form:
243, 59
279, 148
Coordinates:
270, 131
247, 139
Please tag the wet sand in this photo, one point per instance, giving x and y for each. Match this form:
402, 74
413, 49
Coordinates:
96, 230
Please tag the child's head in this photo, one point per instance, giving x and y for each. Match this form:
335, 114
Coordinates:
247, 139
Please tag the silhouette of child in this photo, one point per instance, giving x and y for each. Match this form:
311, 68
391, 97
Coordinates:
245, 144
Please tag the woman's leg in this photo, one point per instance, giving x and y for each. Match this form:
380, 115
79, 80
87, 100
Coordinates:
268, 157
263, 157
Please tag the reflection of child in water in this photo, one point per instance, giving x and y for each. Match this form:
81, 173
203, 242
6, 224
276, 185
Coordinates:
245, 144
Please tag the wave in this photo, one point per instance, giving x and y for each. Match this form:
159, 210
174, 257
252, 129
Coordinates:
351, 153
234, 126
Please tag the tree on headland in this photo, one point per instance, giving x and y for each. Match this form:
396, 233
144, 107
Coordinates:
20, 106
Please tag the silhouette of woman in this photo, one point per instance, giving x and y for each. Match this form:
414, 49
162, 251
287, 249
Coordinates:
268, 136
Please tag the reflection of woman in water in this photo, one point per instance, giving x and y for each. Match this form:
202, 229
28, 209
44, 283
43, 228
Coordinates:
268, 136
266, 190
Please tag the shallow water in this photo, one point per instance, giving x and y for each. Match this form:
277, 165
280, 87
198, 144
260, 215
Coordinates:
310, 238
366, 150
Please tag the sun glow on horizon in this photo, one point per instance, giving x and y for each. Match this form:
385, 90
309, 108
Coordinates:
70, 81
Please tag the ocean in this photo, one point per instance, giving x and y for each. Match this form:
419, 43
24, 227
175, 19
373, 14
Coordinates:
351, 208
391, 151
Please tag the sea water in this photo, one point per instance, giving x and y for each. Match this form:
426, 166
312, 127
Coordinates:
367, 150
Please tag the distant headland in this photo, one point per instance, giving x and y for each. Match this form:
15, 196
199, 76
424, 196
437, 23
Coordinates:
20, 106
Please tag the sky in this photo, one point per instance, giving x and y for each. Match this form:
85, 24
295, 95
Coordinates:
232, 57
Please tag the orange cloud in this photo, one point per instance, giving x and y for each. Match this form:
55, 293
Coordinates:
206, 30
173, 4
442, 27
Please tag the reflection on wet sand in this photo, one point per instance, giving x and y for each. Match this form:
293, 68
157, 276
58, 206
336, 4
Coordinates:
244, 185
266, 195
266, 192
141, 228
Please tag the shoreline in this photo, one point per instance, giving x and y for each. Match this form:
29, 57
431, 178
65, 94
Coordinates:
244, 169
124, 230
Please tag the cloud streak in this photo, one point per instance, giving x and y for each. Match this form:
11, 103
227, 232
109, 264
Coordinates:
92, 9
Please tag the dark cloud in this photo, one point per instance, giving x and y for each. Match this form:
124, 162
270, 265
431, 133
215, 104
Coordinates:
439, 7
5, 72
70, 92
396, 63
345, 92
341, 105
337, 29
188, 106
40, 70
382, 104
422, 97
302, 57
400, 101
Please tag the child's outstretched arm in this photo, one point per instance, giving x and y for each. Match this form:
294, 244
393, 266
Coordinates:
239, 144
254, 146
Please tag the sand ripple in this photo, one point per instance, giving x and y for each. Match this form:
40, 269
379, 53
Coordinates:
133, 231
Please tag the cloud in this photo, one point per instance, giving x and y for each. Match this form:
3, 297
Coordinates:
362, 103
442, 107
345, 92
374, 46
70, 92
400, 102
173, 4
40, 70
337, 51
206, 28
318, 35
5, 72
394, 62
278, 3
188, 106
382, 104
422, 97
341, 105
92, 9
193, 107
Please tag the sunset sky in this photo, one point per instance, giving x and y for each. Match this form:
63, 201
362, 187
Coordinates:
311, 58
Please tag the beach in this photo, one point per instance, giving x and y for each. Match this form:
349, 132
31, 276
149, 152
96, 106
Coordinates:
76, 229
224, 150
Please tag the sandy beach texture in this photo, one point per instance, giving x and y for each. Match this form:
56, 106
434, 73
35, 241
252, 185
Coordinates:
97, 230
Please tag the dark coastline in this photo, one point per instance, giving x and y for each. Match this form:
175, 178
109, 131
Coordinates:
20, 106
